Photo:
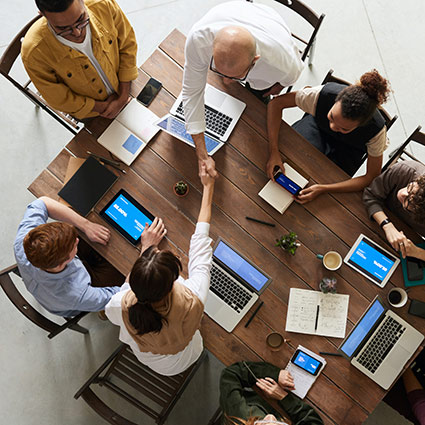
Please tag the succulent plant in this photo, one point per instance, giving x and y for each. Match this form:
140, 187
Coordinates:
288, 242
181, 188
328, 285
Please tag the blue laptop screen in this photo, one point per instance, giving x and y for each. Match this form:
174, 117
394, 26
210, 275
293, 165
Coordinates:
240, 266
371, 260
362, 328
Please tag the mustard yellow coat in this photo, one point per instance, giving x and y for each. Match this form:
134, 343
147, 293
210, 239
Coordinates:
65, 77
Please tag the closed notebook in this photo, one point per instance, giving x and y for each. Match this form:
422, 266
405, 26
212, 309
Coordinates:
87, 186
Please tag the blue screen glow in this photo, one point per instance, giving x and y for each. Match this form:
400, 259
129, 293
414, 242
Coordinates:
287, 183
304, 361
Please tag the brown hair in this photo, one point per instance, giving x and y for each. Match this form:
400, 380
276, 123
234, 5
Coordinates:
417, 200
359, 101
233, 420
151, 279
49, 245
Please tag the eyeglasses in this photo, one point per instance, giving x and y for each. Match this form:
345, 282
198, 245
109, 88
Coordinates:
79, 26
410, 195
239, 80
269, 422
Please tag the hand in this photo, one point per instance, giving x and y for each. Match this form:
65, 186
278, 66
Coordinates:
310, 193
271, 388
409, 249
101, 105
153, 234
274, 161
97, 233
114, 107
209, 166
286, 380
274, 89
395, 238
206, 179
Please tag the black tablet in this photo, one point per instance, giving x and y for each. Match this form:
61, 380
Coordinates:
127, 216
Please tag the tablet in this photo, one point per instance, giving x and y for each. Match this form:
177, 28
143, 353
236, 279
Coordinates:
372, 261
127, 216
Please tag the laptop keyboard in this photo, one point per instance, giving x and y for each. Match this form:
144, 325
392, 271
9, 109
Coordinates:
381, 344
226, 289
216, 121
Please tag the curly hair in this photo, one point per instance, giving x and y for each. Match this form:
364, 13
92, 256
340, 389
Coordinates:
359, 101
417, 200
55, 6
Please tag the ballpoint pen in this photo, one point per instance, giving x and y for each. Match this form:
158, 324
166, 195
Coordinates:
110, 162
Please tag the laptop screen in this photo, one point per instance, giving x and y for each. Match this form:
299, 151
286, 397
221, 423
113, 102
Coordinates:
362, 328
240, 266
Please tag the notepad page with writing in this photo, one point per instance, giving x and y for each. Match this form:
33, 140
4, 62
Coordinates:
333, 315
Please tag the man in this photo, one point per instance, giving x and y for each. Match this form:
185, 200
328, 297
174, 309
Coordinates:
81, 56
241, 42
401, 188
46, 258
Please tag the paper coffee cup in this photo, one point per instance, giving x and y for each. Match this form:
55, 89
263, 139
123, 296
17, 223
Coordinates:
331, 260
397, 297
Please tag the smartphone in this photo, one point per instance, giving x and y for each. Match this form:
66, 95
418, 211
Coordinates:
287, 183
149, 92
306, 362
415, 269
417, 308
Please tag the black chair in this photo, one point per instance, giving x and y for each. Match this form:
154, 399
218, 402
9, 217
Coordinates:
8, 59
31, 313
152, 393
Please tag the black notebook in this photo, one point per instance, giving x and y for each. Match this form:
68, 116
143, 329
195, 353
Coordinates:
87, 186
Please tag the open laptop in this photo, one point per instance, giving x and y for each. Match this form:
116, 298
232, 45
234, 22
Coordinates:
236, 284
380, 344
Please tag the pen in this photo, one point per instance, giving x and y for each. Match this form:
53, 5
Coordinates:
254, 314
110, 162
330, 354
317, 318
261, 221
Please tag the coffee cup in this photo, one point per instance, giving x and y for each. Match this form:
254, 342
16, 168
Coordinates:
275, 340
397, 297
331, 260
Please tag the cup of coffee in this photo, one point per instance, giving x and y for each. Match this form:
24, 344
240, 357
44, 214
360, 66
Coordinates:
397, 297
274, 340
331, 260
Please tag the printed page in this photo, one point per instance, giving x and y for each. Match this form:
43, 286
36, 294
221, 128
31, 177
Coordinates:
333, 315
302, 310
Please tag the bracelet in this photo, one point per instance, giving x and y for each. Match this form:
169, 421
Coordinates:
384, 222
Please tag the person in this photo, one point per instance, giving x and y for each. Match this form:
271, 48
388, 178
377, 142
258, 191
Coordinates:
81, 56
159, 312
415, 394
342, 122
242, 406
401, 189
46, 257
241, 42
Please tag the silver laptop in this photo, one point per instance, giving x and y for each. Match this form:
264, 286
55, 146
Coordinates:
380, 344
236, 284
222, 112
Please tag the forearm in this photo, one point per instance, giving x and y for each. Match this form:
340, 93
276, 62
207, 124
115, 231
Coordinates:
206, 202
124, 90
354, 184
201, 150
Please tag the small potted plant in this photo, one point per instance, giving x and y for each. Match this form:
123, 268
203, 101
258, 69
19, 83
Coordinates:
328, 285
288, 242
181, 188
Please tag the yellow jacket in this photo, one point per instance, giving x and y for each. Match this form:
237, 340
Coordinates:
65, 77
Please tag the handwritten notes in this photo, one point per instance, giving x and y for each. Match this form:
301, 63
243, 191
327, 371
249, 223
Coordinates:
331, 314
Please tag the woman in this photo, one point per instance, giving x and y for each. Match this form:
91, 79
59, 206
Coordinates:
242, 406
342, 122
158, 312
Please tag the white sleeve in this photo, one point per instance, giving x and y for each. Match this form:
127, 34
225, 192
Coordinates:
200, 259
307, 97
113, 308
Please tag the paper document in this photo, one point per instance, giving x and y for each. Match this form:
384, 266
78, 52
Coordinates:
130, 132
303, 380
316, 313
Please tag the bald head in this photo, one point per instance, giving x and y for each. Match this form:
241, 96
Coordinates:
234, 50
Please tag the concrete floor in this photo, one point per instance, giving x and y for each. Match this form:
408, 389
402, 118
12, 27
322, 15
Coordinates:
39, 377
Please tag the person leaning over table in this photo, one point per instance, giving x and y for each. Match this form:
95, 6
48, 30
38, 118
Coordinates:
242, 406
241, 42
342, 122
81, 56
401, 189
63, 273
159, 313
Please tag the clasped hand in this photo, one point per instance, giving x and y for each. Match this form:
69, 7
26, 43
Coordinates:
277, 390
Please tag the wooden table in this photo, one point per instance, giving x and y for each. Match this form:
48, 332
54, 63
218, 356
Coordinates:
342, 394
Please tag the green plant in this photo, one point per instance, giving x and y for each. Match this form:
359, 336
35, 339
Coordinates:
328, 284
288, 242
181, 188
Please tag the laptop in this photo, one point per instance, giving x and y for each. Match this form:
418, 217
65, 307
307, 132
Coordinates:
380, 344
236, 284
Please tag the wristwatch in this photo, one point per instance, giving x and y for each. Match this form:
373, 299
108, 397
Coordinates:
384, 222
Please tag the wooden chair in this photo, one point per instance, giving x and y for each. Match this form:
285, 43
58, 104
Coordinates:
152, 393
401, 153
30, 312
217, 418
8, 59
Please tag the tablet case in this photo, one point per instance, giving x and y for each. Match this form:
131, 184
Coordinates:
407, 282
87, 186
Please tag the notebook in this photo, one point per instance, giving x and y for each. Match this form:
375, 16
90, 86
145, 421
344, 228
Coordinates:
87, 186
380, 344
236, 284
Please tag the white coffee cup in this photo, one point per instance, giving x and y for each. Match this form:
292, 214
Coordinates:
397, 297
331, 260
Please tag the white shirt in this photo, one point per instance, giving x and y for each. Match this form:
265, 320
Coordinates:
279, 61
200, 259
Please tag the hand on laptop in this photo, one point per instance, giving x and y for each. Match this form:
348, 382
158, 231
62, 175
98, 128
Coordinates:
153, 234
271, 388
96, 232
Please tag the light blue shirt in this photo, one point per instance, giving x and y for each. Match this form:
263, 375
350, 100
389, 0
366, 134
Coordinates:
66, 293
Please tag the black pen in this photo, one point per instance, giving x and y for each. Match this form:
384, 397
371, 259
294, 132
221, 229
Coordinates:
110, 162
317, 318
254, 314
330, 354
261, 221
